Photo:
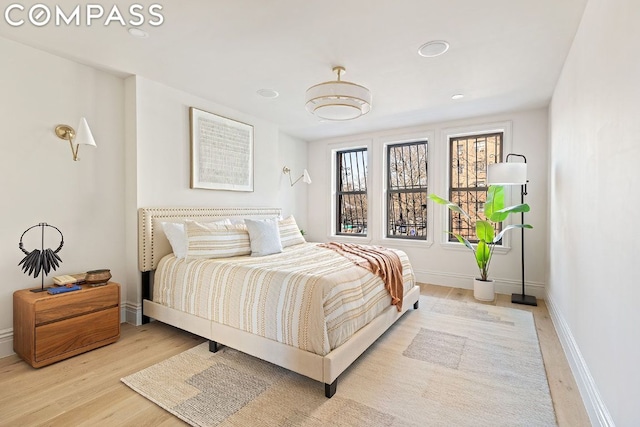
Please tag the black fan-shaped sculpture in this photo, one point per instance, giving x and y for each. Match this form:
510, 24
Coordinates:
40, 260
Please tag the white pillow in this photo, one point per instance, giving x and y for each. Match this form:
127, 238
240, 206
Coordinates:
264, 235
177, 236
289, 232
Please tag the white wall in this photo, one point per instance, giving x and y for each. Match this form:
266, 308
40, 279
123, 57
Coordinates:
142, 159
436, 261
40, 180
160, 132
593, 235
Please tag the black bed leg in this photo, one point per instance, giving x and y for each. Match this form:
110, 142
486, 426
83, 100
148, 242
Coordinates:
416, 305
146, 293
330, 389
213, 346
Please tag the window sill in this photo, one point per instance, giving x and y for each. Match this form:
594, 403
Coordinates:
404, 243
349, 239
455, 246
390, 243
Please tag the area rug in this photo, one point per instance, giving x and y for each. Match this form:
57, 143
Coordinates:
448, 363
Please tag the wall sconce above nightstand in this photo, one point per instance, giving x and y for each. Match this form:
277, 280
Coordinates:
82, 137
304, 177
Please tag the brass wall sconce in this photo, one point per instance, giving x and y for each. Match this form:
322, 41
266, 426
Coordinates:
82, 137
304, 177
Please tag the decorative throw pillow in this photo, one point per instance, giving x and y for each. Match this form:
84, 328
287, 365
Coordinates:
289, 232
216, 240
177, 236
264, 235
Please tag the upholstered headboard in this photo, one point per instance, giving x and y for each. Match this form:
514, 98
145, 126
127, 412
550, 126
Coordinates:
153, 244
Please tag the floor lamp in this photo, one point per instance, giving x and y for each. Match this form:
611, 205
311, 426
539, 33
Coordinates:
513, 174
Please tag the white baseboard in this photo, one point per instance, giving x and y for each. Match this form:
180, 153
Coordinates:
6, 342
132, 313
503, 286
596, 409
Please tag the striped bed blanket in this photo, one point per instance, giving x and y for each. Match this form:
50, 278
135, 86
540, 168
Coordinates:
308, 296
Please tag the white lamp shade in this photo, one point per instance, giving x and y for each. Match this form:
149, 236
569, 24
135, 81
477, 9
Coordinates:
338, 100
84, 136
305, 177
507, 174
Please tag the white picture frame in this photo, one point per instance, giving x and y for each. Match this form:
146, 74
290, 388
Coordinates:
221, 152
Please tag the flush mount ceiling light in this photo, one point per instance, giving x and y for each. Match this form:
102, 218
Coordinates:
433, 48
267, 93
137, 32
337, 99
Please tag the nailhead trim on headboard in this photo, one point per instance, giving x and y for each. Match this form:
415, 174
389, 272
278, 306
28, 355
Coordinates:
153, 245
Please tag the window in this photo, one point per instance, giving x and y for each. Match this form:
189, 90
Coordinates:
407, 190
470, 156
351, 193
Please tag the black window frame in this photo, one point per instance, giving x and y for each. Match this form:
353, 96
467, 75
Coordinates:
341, 193
472, 187
392, 226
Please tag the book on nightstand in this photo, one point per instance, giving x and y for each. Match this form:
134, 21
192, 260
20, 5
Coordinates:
63, 289
69, 279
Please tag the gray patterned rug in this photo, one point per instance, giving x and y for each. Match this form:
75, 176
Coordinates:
448, 363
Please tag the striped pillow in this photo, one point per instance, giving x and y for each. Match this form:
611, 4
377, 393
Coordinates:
289, 232
216, 241
177, 236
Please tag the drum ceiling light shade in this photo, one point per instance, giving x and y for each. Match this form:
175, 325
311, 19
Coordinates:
338, 100
507, 174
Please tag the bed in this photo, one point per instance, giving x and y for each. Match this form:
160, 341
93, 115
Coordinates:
246, 298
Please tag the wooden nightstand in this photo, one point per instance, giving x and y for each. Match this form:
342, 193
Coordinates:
49, 328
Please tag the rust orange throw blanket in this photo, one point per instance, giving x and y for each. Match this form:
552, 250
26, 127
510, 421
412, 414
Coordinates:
378, 260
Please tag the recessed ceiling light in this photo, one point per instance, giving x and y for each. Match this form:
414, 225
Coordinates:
268, 93
433, 48
457, 96
137, 32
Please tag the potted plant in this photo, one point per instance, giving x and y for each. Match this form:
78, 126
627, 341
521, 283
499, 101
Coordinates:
495, 211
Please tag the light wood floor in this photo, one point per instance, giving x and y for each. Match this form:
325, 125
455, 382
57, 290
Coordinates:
86, 389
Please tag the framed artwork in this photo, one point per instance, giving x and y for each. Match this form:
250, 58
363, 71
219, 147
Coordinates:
221, 152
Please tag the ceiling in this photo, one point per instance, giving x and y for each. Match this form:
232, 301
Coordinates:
505, 55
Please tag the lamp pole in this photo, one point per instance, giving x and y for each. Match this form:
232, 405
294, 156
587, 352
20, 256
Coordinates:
522, 298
